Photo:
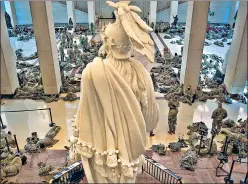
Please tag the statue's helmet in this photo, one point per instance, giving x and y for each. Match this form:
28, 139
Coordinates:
117, 41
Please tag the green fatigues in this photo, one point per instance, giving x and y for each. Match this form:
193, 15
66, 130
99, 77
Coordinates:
172, 119
218, 115
12, 169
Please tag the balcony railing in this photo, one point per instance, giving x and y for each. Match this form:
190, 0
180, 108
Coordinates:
75, 173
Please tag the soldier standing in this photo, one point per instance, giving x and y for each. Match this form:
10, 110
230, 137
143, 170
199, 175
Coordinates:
218, 115
63, 38
61, 52
172, 117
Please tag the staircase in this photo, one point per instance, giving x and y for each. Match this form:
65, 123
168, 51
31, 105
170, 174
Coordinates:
152, 172
85, 10
168, 6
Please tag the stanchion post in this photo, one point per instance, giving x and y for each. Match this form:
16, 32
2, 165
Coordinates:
225, 145
18, 150
211, 144
7, 143
228, 179
200, 145
51, 124
2, 125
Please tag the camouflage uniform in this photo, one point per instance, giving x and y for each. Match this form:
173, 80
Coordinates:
61, 52
172, 117
44, 169
63, 39
188, 96
218, 115
12, 169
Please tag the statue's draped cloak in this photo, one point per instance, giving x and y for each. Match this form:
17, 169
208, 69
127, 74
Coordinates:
110, 118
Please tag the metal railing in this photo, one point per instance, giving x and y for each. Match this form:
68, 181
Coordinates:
75, 173
159, 172
72, 174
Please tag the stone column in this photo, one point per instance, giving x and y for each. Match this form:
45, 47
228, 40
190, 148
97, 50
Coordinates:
10, 9
44, 32
153, 13
232, 13
71, 12
236, 71
173, 10
196, 24
9, 81
91, 12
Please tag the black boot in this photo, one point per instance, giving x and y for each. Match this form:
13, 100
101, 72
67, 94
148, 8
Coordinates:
151, 134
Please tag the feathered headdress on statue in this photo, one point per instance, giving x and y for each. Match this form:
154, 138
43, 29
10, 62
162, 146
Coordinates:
136, 29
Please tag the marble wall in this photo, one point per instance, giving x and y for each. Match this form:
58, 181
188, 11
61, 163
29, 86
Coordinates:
182, 13
60, 14
221, 9
23, 13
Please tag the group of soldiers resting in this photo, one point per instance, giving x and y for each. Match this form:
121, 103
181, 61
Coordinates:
11, 162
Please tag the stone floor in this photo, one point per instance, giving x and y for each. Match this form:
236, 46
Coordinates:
204, 173
24, 123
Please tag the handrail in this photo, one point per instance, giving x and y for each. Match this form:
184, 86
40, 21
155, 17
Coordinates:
76, 7
72, 174
167, 7
75, 173
159, 172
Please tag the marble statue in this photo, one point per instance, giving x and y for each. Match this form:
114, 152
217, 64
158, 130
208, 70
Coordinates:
118, 105
172, 117
218, 115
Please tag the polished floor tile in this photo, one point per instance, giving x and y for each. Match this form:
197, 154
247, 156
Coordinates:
24, 123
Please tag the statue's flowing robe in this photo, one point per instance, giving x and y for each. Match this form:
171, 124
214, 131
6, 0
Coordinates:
112, 123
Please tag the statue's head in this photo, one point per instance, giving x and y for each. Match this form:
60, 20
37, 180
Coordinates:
116, 41
128, 32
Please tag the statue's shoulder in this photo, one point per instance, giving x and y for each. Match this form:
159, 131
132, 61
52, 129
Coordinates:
94, 69
97, 61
